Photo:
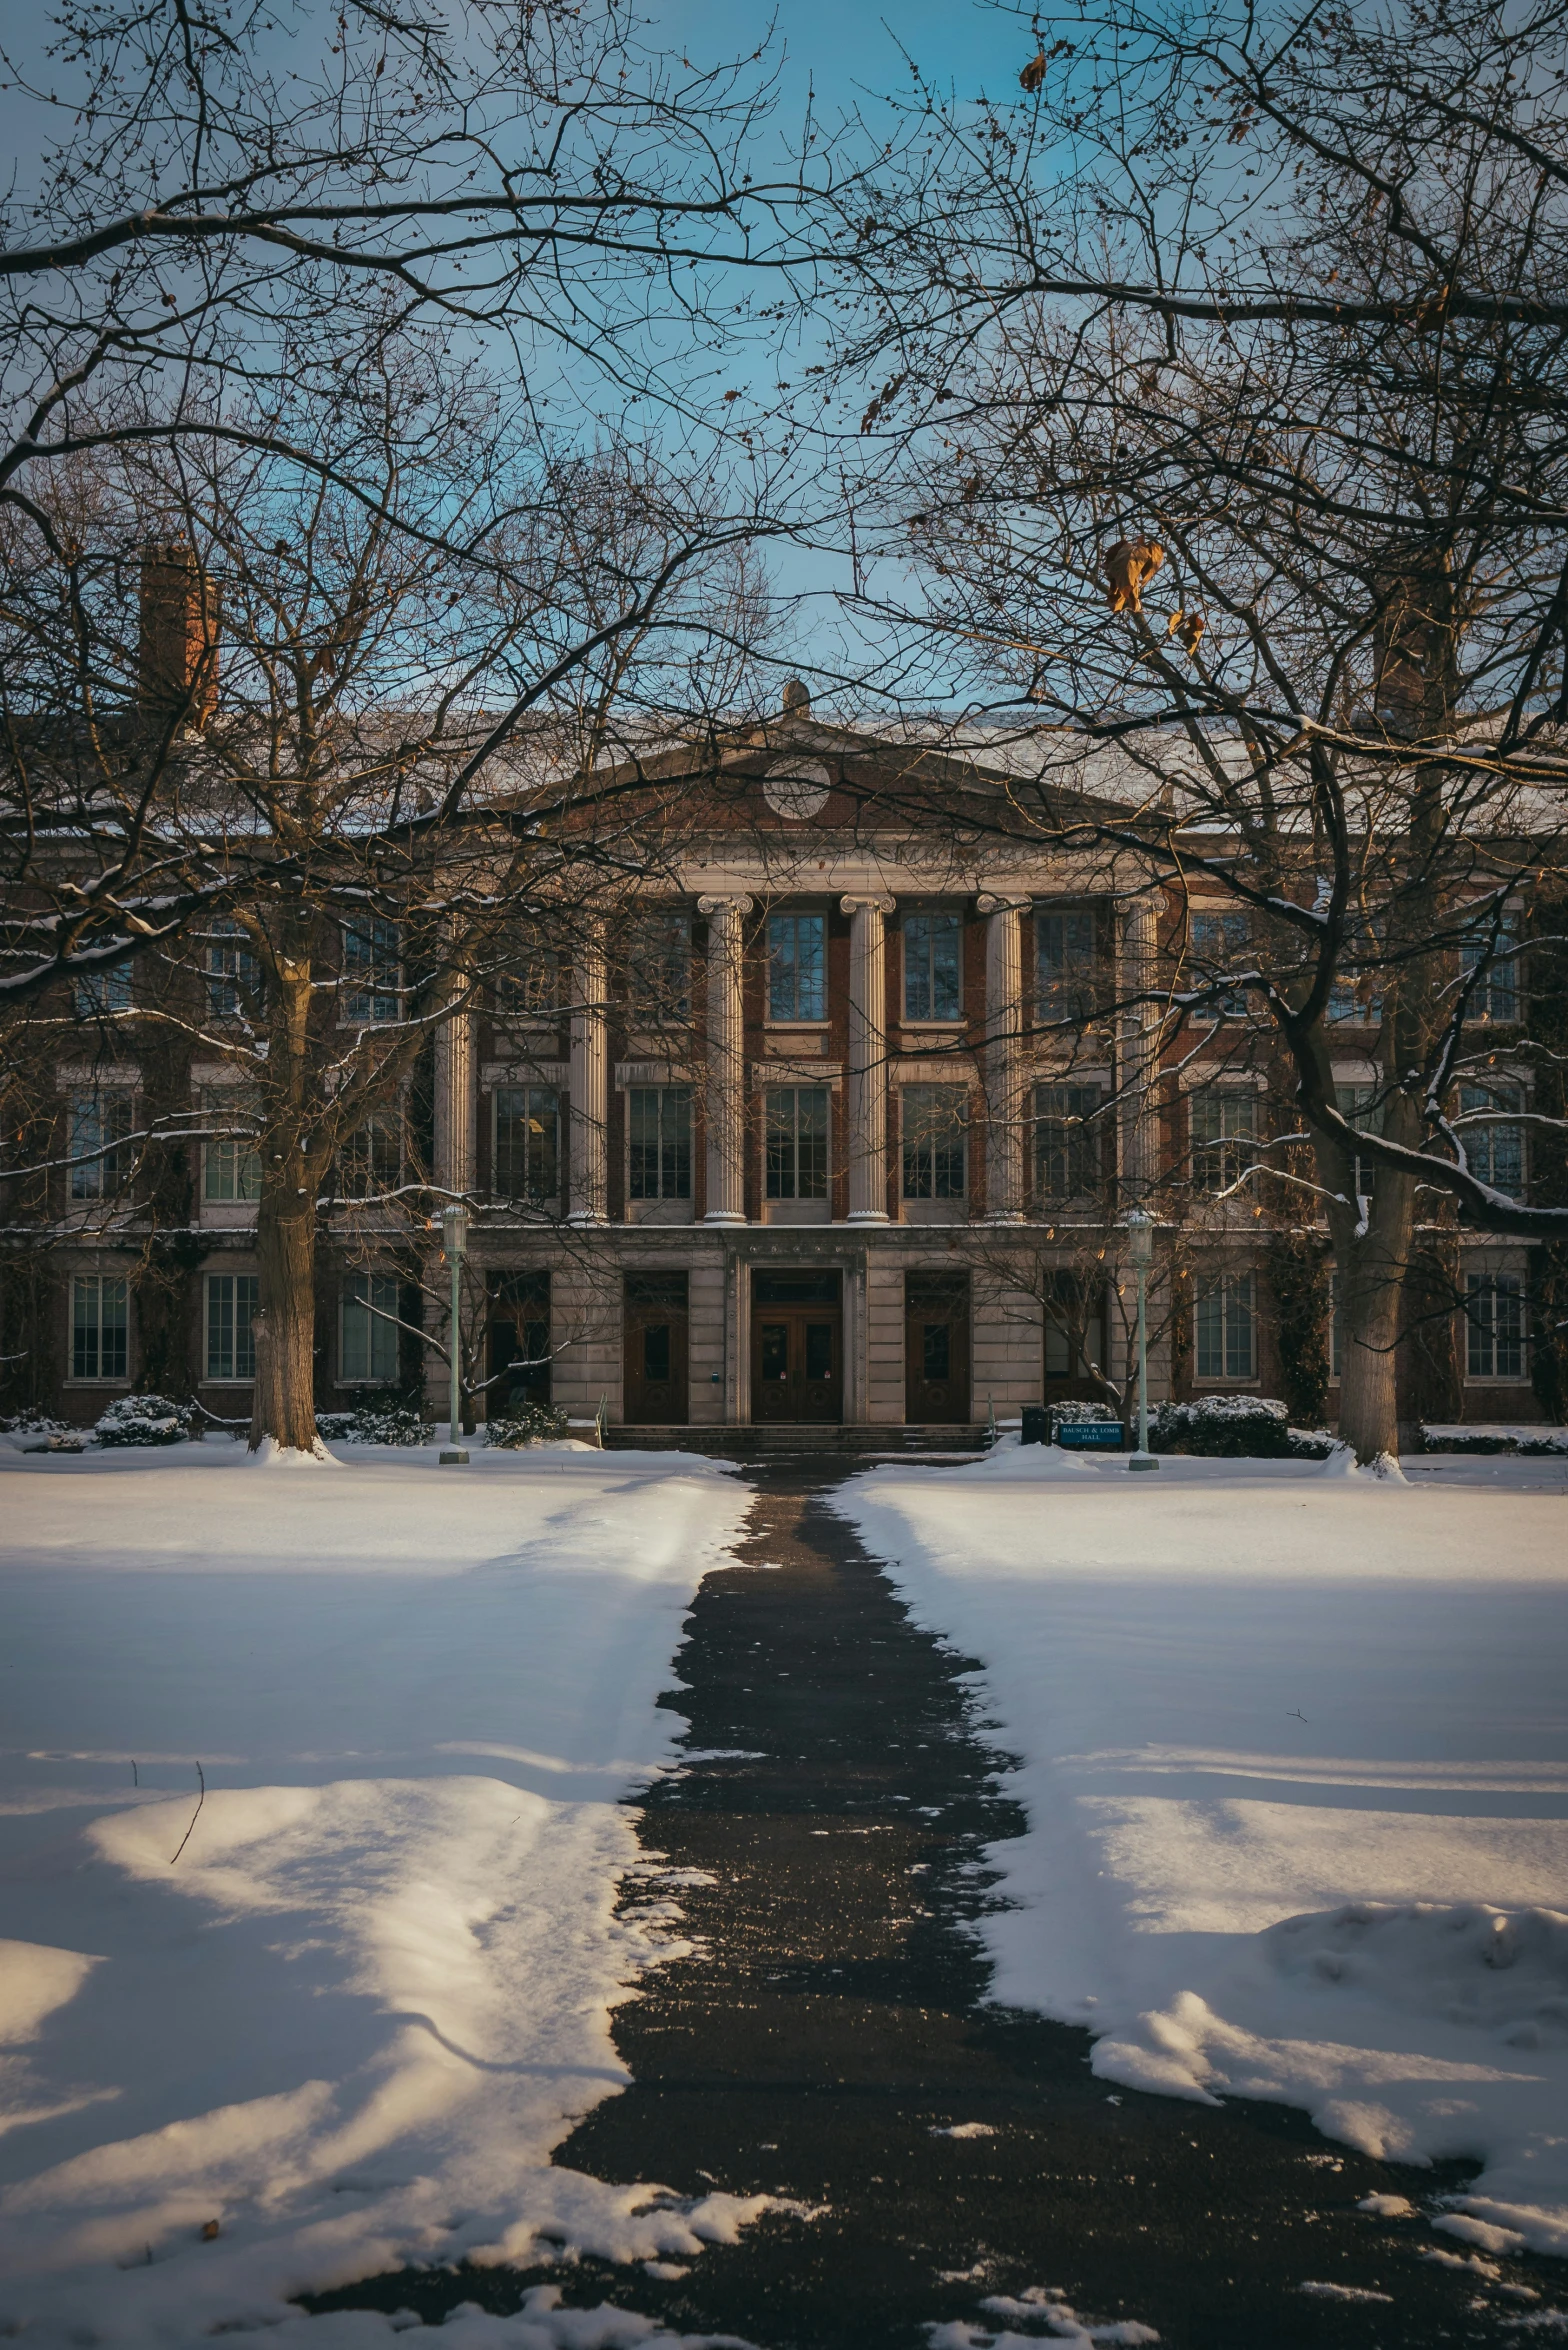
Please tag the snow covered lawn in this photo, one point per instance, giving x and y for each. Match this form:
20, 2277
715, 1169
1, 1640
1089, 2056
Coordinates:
350, 2020
1294, 1751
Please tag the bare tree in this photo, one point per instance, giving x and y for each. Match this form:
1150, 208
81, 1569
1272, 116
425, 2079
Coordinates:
240, 219
1229, 395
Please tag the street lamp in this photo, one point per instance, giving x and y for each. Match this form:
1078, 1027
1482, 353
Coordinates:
1140, 1247
454, 1239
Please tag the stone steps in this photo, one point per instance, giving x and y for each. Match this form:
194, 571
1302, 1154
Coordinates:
797, 1437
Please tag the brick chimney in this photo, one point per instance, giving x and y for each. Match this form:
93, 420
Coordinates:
177, 656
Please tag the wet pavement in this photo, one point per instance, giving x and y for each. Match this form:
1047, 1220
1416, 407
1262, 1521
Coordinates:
833, 2025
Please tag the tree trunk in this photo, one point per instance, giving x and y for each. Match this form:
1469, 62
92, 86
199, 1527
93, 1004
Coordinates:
285, 1396
1372, 1265
285, 1393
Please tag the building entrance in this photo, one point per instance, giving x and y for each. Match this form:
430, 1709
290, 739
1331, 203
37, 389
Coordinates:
654, 1358
797, 1347
936, 1347
519, 1347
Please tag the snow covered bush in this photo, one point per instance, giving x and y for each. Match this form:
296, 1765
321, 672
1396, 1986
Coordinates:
32, 1424
1074, 1413
1442, 1436
378, 1420
1234, 1427
536, 1423
144, 1419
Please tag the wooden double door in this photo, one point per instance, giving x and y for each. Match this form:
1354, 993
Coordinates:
936, 1348
654, 1393
797, 1347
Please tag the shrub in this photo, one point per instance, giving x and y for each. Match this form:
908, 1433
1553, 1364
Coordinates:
536, 1423
1074, 1413
33, 1424
144, 1419
1224, 1427
1438, 1436
378, 1420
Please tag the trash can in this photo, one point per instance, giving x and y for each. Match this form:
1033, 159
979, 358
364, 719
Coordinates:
1037, 1425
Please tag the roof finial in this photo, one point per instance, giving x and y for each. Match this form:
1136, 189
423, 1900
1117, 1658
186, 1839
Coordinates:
797, 698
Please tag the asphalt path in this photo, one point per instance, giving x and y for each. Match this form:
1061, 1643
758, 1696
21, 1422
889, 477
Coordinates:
832, 2027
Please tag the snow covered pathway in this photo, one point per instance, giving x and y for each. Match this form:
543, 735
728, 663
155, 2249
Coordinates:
351, 2019
1294, 1752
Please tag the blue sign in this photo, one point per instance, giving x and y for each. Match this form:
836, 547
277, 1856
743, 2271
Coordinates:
1089, 1435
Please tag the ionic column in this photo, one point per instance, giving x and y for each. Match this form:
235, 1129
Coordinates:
1138, 1070
866, 1089
726, 1071
590, 1084
1004, 1059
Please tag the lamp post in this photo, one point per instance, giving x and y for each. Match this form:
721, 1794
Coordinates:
454, 1239
1140, 1247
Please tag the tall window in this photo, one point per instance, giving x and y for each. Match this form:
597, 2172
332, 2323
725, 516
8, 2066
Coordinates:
1495, 1153
1067, 1141
933, 967
1224, 1137
1362, 1107
1494, 1312
797, 969
527, 1155
658, 965
99, 1322
230, 1163
96, 992
368, 1348
371, 1160
1226, 1327
1066, 954
1356, 1001
372, 969
233, 972
532, 986
231, 1316
658, 1119
1219, 942
935, 1124
797, 1142
102, 1155
1496, 995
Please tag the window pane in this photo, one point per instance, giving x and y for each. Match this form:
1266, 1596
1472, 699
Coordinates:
527, 1160
796, 968
1495, 1153
370, 1335
95, 992
659, 1142
932, 950
934, 1139
1496, 994
100, 1128
658, 965
1211, 1330
533, 985
372, 972
1224, 1136
1065, 963
1066, 1141
233, 972
231, 1165
99, 1317
1239, 1350
372, 1160
1218, 942
796, 1142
